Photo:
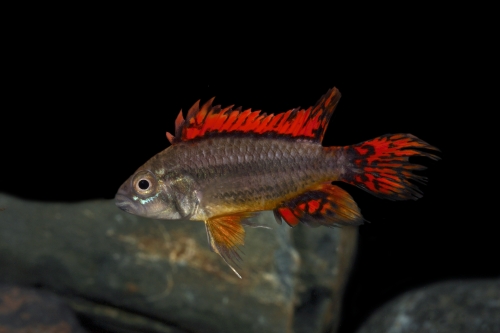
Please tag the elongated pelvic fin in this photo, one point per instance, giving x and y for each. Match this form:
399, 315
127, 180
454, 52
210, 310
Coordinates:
225, 234
326, 204
381, 167
310, 123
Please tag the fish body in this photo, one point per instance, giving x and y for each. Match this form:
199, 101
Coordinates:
224, 165
222, 171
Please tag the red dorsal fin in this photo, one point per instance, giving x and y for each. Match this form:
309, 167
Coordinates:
310, 123
325, 204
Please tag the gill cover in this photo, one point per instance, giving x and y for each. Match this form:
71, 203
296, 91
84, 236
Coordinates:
182, 194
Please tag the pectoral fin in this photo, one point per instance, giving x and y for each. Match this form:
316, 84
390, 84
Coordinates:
225, 235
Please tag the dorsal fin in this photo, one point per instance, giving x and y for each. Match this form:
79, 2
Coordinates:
310, 123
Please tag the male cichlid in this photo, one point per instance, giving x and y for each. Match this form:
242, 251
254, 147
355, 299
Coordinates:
225, 164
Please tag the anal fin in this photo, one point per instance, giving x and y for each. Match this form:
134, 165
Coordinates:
325, 204
225, 235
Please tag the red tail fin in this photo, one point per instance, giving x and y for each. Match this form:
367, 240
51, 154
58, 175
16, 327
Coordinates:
381, 167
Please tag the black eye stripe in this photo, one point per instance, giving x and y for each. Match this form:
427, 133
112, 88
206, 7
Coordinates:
143, 184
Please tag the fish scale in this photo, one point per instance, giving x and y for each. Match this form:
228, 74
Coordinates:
280, 163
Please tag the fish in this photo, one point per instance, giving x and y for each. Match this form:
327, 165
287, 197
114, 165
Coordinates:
226, 164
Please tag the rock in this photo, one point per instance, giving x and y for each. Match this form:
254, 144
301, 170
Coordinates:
113, 319
447, 307
326, 258
30, 310
113, 266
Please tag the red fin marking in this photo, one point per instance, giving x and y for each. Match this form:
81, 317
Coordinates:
282, 127
241, 118
210, 120
251, 122
288, 215
325, 204
199, 118
229, 122
298, 124
308, 123
313, 206
222, 118
272, 123
264, 123
309, 126
381, 166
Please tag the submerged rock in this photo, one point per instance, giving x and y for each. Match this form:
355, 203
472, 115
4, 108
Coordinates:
447, 307
30, 310
161, 275
326, 258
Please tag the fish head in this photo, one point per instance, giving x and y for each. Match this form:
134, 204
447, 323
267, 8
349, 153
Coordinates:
146, 194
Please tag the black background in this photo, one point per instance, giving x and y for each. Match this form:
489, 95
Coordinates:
88, 101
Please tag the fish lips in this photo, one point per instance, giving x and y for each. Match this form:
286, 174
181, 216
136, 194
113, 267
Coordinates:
125, 204
123, 198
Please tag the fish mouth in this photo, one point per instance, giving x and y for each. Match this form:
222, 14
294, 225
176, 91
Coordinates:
124, 203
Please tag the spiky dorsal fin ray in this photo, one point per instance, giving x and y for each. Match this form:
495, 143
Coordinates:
193, 110
310, 123
170, 138
179, 123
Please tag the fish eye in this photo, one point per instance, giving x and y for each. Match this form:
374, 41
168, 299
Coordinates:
143, 184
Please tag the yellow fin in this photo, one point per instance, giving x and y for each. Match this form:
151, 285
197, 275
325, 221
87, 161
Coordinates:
225, 234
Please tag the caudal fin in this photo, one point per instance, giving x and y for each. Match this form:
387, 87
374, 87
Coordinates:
380, 166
